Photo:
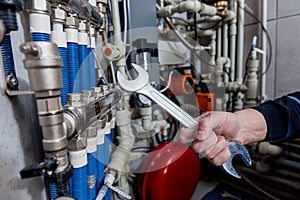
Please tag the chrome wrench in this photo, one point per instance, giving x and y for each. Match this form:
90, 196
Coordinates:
142, 85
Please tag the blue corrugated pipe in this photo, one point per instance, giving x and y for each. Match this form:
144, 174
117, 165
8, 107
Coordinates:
53, 193
79, 189
73, 66
70, 181
64, 70
7, 56
100, 166
84, 67
40, 37
92, 70
112, 135
91, 173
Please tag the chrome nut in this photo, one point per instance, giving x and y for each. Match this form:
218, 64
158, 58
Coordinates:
59, 14
39, 5
72, 22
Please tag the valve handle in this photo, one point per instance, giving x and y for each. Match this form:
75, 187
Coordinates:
48, 166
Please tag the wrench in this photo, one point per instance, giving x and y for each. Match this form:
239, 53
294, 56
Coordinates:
142, 85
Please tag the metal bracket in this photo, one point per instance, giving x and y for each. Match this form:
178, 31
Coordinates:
8, 91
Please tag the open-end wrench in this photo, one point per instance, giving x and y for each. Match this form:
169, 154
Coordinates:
142, 85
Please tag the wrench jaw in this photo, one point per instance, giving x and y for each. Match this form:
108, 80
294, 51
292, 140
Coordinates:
236, 149
134, 85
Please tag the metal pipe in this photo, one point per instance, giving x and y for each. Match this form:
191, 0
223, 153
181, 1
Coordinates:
264, 18
44, 69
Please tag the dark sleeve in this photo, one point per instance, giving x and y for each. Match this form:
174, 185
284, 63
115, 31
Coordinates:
282, 117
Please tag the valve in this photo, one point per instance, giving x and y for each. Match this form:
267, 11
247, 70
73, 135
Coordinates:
47, 167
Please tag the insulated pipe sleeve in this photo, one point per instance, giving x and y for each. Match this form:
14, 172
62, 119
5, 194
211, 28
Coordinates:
187, 6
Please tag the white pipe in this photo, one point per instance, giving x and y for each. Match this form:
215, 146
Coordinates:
219, 42
187, 6
121, 63
232, 34
240, 41
264, 8
120, 156
225, 40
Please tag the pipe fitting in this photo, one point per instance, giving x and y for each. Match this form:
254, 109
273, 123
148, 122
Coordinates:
39, 5
72, 22
266, 148
82, 27
44, 67
58, 15
77, 143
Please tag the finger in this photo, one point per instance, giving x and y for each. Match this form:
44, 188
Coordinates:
218, 147
187, 135
221, 157
203, 147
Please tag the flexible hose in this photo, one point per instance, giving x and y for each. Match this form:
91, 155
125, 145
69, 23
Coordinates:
91, 173
70, 183
65, 88
73, 65
40, 37
84, 68
7, 56
92, 71
53, 193
79, 189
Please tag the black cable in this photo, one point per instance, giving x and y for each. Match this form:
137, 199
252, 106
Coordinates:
246, 67
254, 185
181, 19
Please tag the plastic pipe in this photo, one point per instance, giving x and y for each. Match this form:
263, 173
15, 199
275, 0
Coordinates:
264, 13
79, 161
187, 6
73, 62
59, 37
219, 42
7, 56
120, 156
39, 21
91, 168
240, 41
237, 99
100, 158
83, 41
232, 35
121, 62
91, 48
53, 193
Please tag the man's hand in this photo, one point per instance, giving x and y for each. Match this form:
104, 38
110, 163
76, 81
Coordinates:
216, 128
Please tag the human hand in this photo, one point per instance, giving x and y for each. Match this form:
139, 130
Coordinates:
209, 139
216, 128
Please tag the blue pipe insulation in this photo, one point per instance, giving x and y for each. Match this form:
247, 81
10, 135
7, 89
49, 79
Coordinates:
100, 166
112, 135
91, 175
79, 189
40, 37
64, 70
73, 67
70, 183
92, 70
53, 193
7, 56
84, 67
